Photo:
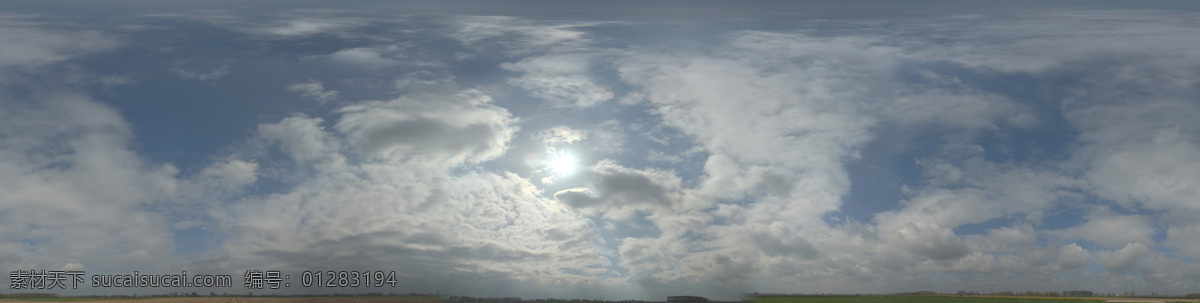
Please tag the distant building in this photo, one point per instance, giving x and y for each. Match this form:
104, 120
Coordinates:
686, 299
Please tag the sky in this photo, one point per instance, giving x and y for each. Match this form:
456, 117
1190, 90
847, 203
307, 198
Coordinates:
620, 151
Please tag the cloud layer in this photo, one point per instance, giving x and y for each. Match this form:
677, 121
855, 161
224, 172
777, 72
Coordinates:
1048, 151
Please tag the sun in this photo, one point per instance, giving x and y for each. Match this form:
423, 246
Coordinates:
562, 164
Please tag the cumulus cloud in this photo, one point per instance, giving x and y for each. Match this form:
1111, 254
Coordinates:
300, 137
1144, 153
1072, 256
718, 98
67, 160
621, 191
433, 119
930, 240
778, 239
974, 192
752, 132
577, 197
976, 262
777, 113
1186, 239
771, 122
1018, 238
390, 197
1122, 259
75, 193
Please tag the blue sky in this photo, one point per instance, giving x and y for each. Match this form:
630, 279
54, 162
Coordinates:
542, 149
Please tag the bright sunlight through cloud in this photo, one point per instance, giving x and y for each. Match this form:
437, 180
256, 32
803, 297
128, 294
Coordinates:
562, 164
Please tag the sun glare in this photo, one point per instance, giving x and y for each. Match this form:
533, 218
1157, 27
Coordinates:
563, 164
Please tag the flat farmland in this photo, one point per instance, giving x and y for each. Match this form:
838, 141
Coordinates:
231, 300
951, 299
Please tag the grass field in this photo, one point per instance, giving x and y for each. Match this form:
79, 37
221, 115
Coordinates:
941, 299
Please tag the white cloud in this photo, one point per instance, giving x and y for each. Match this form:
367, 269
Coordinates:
928, 239
401, 203
73, 192
289, 24
782, 113
301, 138
202, 76
779, 115
577, 197
305, 27
72, 266
1111, 231
970, 263
1017, 238
1072, 256
1123, 259
433, 119
520, 36
966, 107
313, 89
27, 44
609, 137
1048, 40
560, 79
794, 125
1142, 152
779, 239
661, 157
976, 191
787, 117
619, 191
561, 134
367, 57
1186, 239
231, 174
650, 255
561, 142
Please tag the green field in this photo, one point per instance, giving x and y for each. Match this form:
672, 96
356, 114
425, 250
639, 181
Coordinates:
914, 299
